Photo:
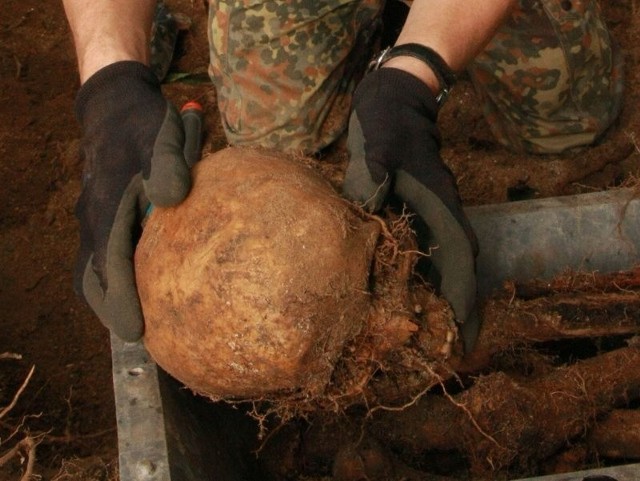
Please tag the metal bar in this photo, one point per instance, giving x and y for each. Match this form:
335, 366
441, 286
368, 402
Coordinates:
541, 238
142, 447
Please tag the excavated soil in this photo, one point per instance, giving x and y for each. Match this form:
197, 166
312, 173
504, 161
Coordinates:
67, 405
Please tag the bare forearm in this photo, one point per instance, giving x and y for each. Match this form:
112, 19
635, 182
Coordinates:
107, 31
457, 29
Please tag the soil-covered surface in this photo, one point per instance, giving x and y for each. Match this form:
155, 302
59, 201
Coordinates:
67, 405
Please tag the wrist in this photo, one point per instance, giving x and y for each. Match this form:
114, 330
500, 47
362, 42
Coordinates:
402, 93
118, 80
97, 59
422, 62
109, 31
418, 69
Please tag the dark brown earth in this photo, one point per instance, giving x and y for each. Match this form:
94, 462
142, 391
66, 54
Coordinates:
67, 406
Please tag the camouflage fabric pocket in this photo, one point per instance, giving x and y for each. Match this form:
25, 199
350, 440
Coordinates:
284, 71
551, 78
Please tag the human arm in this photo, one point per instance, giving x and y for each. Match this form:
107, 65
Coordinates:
394, 141
105, 32
457, 30
131, 145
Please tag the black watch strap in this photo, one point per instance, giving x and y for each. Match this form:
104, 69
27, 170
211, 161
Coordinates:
441, 70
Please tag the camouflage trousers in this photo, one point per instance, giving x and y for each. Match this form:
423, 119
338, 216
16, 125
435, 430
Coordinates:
551, 78
285, 71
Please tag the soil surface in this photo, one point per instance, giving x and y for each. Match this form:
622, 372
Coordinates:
67, 405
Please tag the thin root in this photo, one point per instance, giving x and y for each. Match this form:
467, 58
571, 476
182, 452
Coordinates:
14, 401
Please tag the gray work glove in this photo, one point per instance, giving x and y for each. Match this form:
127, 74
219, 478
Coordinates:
394, 147
132, 148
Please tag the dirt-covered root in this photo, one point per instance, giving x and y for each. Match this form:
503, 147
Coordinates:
409, 346
571, 306
501, 424
21, 453
338, 448
370, 460
617, 436
523, 416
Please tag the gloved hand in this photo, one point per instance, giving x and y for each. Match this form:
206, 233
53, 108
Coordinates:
394, 145
132, 148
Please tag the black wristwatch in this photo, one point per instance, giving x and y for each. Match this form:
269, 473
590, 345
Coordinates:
446, 77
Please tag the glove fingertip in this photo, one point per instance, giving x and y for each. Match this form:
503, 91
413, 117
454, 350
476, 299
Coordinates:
129, 332
118, 309
124, 316
171, 188
371, 197
470, 330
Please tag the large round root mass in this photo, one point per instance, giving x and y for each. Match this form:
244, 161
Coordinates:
253, 285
